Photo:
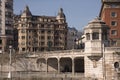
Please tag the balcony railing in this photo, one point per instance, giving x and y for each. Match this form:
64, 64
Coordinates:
57, 53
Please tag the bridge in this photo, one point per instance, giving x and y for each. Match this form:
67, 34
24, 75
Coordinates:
66, 63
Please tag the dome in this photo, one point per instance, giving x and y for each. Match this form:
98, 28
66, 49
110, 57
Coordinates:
97, 20
61, 13
96, 23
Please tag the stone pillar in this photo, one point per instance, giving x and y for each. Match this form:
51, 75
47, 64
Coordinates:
73, 69
91, 36
100, 36
46, 66
58, 65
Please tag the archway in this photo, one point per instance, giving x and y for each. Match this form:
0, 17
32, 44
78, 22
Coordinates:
65, 65
79, 64
41, 64
52, 64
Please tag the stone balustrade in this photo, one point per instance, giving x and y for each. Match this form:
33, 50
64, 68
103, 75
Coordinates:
64, 53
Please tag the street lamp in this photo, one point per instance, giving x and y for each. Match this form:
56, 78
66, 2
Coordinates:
9, 74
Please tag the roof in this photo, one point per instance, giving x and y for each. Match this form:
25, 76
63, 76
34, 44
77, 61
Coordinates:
96, 23
26, 12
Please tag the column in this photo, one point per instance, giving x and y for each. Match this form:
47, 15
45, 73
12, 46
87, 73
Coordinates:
100, 36
73, 68
91, 36
58, 66
46, 66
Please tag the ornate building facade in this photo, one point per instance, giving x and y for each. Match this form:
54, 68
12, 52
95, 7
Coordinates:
40, 33
6, 23
110, 13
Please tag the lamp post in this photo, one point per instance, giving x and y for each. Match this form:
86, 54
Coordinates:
9, 74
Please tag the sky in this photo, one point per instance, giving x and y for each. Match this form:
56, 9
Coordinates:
78, 12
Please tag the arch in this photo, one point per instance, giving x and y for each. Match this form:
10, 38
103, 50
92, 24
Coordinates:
41, 64
79, 64
52, 64
66, 64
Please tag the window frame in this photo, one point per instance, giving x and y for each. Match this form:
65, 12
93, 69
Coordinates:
114, 23
88, 36
114, 33
113, 14
95, 36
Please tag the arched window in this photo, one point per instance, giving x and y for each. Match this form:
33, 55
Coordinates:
95, 35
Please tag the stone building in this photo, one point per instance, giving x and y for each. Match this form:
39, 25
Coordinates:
40, 33
6, 23
110, 13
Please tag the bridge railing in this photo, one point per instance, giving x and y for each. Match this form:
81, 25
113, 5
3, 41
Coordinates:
56, 53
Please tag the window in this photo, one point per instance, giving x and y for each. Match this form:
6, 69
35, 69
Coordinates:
95, 35
42, 31
49, 37
23, 25
9, 32
88, 36
113, 23
29, 43
29, 37
42, 43
42, 37
22, 31
114, 32
48, 31
8, 5
23, 37
113, 14
23, 49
